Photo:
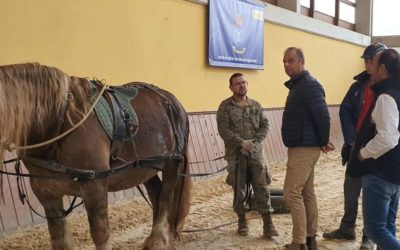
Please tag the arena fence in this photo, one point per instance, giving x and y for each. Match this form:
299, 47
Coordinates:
204, 146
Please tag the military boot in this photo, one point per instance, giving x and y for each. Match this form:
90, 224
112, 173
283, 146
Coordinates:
269, 228
295, 246
243, 228
312, 243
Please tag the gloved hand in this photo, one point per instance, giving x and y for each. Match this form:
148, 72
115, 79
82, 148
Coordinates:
245, 152
268, 177
248, 145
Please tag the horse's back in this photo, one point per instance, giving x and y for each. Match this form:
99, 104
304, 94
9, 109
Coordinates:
162, 118
163, 131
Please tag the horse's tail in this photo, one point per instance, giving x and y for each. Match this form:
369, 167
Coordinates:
181, 201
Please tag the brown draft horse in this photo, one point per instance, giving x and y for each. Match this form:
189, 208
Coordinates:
31, 100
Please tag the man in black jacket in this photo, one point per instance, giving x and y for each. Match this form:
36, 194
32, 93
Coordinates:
305, 131
376, 153
353, 110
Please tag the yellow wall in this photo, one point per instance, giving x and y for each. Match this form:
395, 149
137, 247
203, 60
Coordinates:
163, 42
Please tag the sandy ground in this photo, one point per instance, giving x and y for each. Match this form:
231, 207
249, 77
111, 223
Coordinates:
211, 206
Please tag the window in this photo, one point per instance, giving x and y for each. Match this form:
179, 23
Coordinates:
337, 12
325, 6
347, 13
273, 2
305, 3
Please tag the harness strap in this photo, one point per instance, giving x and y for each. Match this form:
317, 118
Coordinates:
172, 111
46, 162
144, 196
23, 197
68, 97
206, 173
79, 174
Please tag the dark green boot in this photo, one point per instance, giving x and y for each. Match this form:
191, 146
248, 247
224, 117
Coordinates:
312, 243
269, 228
243, 228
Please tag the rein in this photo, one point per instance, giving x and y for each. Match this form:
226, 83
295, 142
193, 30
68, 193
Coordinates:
38, 145
74, 174
68, 172
194, 230
78, 174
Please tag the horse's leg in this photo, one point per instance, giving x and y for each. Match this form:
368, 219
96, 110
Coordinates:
181, 203
94, 195
60, 234
159, 236
153, 187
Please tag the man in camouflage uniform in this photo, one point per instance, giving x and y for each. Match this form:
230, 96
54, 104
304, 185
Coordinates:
243, 126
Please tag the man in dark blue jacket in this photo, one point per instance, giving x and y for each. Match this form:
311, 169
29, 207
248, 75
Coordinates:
305, 131
353, 110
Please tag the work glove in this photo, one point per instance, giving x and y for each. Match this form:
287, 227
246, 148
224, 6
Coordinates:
245, 152
248, 145
268, 177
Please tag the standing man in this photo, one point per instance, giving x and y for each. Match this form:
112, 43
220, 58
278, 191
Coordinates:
243, 126
305, 131
376, 153
353, 111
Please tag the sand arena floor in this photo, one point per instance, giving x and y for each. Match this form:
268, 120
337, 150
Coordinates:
211, 206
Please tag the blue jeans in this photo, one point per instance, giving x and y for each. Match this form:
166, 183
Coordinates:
380, 203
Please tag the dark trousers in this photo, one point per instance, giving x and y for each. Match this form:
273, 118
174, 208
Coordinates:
352, 189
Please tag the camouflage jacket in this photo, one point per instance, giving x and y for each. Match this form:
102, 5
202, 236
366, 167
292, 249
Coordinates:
236, 123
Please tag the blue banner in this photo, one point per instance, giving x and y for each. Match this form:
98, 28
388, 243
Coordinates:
236, 36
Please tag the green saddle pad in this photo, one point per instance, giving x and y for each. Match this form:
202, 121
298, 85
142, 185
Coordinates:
104, 111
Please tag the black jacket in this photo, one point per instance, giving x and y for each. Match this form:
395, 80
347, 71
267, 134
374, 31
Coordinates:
349, 112
306, 120
386, 166
350, 108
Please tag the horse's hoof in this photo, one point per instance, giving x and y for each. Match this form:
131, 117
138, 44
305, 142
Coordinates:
152, 244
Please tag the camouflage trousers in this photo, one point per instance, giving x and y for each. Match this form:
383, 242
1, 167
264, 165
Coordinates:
242, 172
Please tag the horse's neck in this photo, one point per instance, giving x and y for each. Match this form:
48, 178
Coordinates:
39, 133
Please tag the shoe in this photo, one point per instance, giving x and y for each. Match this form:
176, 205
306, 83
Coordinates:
243, 228
366, 243
295, 246
339, 235
269, 228
312, 243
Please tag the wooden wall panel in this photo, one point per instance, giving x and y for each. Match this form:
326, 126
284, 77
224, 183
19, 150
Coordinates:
205, 145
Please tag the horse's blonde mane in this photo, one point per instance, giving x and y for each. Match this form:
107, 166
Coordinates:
30, 95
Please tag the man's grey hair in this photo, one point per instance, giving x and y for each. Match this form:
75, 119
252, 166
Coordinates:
299, 52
